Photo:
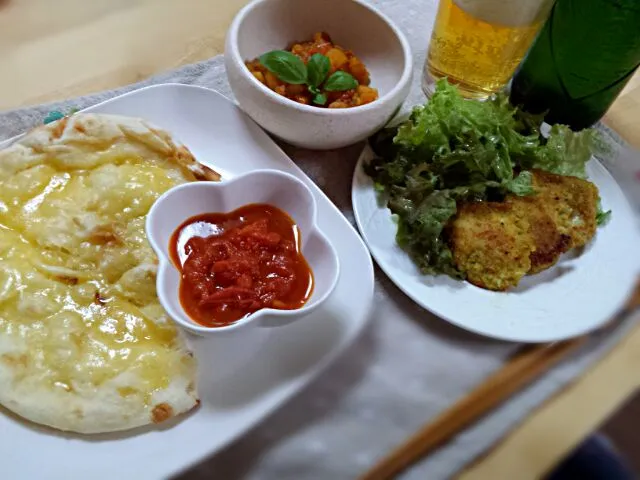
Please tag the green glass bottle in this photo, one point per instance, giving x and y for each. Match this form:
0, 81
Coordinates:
583, 57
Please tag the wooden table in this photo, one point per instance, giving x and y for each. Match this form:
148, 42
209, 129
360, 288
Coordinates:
55, 49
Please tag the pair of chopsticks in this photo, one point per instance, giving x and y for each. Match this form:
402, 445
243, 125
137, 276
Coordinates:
521, 370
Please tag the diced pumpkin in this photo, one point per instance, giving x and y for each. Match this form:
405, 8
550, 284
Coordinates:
259, 76
272, 81
304, 99
337, 58
338, 104
366, 94
359, 71
321, 37
293, 90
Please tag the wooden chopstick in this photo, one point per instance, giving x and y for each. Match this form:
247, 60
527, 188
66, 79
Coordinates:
522, 369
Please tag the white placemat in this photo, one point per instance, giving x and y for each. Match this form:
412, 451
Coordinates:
405, 369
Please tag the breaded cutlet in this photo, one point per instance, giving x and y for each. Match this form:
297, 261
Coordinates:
549, 242
496, 243
491, 244
571, 202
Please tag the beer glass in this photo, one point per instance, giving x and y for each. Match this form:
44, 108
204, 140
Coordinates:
477, 44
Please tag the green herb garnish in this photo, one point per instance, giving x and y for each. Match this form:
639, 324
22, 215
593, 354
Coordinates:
291, 69
53, 116
286, 66
320, 98
318, 67
340, 81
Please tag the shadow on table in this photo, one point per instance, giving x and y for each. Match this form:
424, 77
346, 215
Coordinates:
433, 324
331, 170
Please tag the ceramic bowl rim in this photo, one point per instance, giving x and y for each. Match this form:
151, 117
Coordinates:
165, 263
405, 78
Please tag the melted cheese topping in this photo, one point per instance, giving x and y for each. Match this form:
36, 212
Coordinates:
77, 277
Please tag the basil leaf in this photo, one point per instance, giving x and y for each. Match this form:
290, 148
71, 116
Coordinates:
314, 90
286, 66
318, 67
320, 99
340, 81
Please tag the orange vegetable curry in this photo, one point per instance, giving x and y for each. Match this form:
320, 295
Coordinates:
341, 60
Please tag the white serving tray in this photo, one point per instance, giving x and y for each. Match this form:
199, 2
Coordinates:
241, 378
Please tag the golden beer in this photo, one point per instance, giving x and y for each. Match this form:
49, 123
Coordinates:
477, 44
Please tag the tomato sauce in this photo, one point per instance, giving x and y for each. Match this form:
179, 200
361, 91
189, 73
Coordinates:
236, 263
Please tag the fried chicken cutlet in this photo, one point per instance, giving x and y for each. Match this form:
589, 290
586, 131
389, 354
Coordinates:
496, 243
571, 202
549, 242
491, 244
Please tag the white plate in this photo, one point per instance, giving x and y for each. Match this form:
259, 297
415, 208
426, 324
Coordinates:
234, 396
575, 296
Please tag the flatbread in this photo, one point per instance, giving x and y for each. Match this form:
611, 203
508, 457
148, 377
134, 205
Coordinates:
84, 344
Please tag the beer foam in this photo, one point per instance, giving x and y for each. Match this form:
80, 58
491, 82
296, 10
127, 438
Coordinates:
510, 13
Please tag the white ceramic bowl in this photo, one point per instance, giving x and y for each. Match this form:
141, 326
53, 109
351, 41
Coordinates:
273, 187
266, 25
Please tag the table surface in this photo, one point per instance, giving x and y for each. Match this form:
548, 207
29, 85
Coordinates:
48, 52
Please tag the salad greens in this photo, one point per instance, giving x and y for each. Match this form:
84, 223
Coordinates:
451, 150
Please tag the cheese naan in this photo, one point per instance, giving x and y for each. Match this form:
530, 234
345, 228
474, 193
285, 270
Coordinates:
84, 344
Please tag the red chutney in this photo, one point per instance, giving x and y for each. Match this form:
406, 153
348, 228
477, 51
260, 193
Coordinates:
236, 263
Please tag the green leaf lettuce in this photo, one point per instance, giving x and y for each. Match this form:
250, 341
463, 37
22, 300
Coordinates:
451, 150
